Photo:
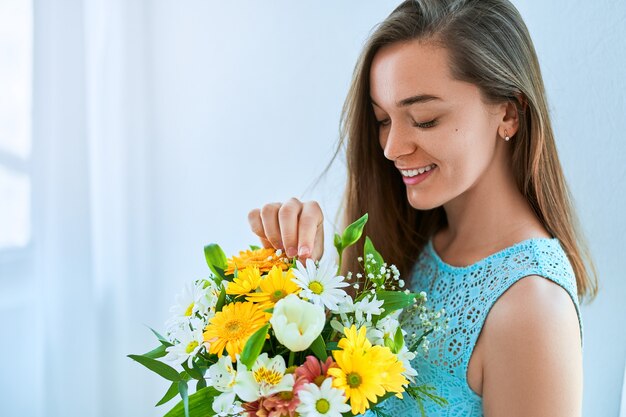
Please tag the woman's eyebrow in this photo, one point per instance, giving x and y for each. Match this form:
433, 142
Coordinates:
420, 98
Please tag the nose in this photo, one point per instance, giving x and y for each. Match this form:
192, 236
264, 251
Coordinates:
397, 142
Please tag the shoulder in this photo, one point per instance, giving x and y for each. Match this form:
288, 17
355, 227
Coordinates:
532, 350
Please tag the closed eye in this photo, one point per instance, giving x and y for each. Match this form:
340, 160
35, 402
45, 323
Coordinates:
426, 125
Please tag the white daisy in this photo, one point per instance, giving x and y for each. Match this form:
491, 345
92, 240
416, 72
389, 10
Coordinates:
197, 299
187, 342
266, 377
320, 284
322, 401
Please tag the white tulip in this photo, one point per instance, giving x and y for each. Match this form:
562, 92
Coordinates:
297, 323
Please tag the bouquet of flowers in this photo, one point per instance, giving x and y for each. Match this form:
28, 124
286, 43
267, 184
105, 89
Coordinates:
265, 335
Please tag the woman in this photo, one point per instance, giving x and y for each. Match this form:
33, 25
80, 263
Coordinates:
451, 152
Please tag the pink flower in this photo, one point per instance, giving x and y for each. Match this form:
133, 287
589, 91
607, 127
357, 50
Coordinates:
285, 403
313, 370
256, 408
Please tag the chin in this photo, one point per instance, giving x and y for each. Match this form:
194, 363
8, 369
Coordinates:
420, 202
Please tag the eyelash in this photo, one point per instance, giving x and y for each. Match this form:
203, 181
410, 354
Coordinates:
425, 125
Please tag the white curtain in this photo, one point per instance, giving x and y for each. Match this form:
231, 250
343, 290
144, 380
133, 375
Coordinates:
92, 266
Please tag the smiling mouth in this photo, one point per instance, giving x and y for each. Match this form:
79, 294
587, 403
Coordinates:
409, 173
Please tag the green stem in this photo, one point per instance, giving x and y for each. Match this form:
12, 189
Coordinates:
340, 260
291, 358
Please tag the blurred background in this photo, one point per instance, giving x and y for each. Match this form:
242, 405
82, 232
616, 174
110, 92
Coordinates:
132, 133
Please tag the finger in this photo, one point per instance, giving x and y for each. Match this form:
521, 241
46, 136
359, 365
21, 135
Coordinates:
256, 224
288, 219
271, 227
311, 231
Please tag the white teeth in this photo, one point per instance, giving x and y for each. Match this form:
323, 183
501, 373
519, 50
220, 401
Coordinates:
414, 172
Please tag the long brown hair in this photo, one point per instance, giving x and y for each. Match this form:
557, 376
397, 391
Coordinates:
490, 47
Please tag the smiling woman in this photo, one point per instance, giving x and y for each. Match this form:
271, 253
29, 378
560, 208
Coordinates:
451, 151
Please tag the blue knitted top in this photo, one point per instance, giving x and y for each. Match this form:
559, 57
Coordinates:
467, 294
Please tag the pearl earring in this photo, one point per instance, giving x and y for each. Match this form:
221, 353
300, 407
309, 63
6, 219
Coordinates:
506, 136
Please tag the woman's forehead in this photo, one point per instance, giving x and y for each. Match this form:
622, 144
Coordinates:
409, 69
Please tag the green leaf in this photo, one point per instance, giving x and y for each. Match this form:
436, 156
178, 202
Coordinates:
353, 232
253, 346
421, 393
398, 340
221, 300
200, 404
158, 367
216, 259
332, 346
163, 340
372, 268
192, 372
201, 384
394, 300
389, 343
171, 393
157, 352
319, 348
182, 389
254, 247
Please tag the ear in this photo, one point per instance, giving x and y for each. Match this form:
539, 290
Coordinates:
510, 120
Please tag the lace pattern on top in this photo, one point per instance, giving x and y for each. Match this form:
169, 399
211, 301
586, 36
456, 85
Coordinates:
467, 294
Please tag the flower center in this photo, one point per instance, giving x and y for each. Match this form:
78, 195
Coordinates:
233, 327
286, 395
267, 375
316, 287
189, 310
191, 346
353, 379
322, 406
319, 380
277, 295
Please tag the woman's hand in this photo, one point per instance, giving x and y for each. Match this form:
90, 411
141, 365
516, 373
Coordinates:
295, 227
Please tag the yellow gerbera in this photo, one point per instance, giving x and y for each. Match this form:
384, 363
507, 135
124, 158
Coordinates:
365, 372
276, 285
231, 328
359, 377
247, 281
264, 259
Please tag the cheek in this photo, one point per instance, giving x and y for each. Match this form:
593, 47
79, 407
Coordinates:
462, 155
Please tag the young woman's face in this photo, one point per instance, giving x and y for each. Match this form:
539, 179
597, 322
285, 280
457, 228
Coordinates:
426, 117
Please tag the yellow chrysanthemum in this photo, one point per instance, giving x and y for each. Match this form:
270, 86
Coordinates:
276, 285
365, 372
247, 281
391, 370
355, 341
230, 328
264, 259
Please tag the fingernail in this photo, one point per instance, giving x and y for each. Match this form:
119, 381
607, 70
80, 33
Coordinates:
291, 252
303, 251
